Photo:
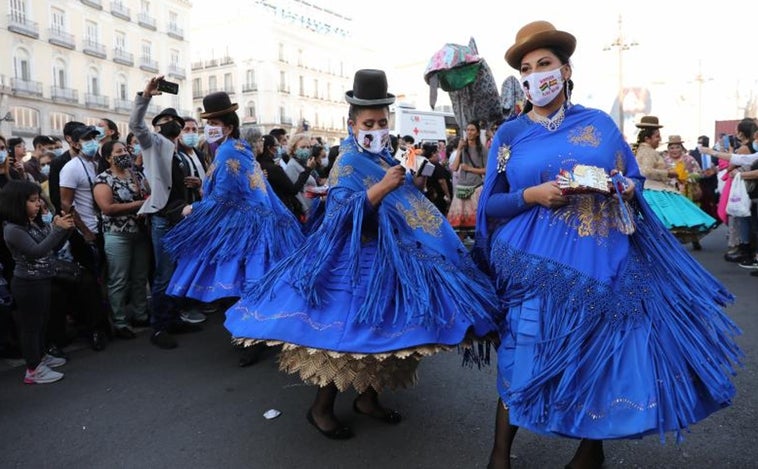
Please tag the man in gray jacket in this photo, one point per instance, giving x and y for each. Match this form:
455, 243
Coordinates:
165, 170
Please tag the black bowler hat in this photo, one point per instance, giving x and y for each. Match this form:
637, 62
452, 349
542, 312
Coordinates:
169, 112
369, 89
217, 104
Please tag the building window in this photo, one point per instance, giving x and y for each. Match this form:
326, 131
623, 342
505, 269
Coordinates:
145, 7
18, 10
250, 110
59, 73
300, 57
147, 51
174, 58
250, 78
302, 85
281, 52
212, 86
329, 91
21, 65
197, 87
122, 90
228, 83
93, 82
59, 119
315, 88
282, 81
92, 32
25, 117
57, 20
173, 20
119, 41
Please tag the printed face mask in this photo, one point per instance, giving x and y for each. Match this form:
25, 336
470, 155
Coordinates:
541, 88
123, 161
373, 141
190, 139
213, 133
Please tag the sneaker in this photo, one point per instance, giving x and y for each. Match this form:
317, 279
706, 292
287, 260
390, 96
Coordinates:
750, 265
42, 375
193, 316
55, 351
53, 362
163, 339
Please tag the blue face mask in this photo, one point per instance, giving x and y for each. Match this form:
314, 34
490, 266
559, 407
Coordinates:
755, 145
302, 154
100, 133
89, 148
3, 156
190, 139
45, 170
136, 149
58, 151
47, 218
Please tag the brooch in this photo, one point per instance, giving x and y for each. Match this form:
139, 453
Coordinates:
503, 155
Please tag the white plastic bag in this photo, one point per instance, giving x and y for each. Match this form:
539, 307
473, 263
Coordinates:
738, 204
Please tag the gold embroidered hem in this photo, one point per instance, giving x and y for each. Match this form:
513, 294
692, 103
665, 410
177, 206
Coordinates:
361, 371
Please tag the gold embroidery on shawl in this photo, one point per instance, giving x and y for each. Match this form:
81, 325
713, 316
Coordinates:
591, 215
255, 178
369, 181
233, 165
339, 171
585, 136
422, 214
620, 162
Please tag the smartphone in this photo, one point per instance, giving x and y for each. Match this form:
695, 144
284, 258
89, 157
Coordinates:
725, 142
168, 87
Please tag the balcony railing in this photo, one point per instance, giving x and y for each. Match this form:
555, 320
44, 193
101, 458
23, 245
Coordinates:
249, 87
120, 56
149, 65
21, 25
146, 21
119, 10
286, 120
175, 31
96, 100
93, 48
61, 38
27, 87
177, 71
197, 65
93, 3
226, 61
64, 94
123, 105
211, 63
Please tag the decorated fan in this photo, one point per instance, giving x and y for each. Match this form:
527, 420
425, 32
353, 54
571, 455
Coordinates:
584, 179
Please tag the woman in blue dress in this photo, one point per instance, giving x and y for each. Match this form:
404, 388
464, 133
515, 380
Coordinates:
598, 342
382, 281
240, 228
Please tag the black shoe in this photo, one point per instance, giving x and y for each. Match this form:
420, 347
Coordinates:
342, 432
55, 351
98, 341
124, 333
141, 323
182, 327
697, 246
754, 273
385, 415
163, 339
251, 355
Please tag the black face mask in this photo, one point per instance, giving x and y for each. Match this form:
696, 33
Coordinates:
171, 130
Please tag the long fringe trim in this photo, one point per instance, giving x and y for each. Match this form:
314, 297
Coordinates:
219, 230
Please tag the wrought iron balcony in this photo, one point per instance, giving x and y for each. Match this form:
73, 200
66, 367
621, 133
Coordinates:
93, 48
93, 3
120, 56
123, 105
249, 87
119, 10
96, 100
64, 94
149, 65
177, 71
27, 87
61, 38
175, 31
146, 21
18, 23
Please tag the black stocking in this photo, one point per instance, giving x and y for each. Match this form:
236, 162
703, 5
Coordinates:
322, 408
500, 458
589, 455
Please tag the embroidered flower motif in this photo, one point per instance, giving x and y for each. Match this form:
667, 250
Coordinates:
233, 166
422, 215
585, 136
503, 155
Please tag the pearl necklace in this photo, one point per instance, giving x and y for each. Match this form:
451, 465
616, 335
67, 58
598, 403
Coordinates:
550, 124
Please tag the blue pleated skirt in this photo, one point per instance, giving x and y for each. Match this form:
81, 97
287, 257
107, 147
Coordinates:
679, 214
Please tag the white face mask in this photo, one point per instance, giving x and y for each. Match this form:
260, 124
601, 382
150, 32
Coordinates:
373, 140
213, 133
324, 162
541, 88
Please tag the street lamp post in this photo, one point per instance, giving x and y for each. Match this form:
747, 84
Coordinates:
621, 45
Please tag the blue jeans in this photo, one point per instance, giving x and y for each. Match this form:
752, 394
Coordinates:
165, 310
127, 256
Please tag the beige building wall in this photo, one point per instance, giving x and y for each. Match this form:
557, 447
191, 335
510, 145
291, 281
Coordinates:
86, 59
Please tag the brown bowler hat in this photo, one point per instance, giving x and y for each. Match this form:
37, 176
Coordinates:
675, 140
369, 89
648, 122
217, 104
536, 35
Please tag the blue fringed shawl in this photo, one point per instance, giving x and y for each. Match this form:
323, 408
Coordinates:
419, 258
238, 211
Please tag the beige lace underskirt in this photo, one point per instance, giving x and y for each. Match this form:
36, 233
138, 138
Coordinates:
391, 370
